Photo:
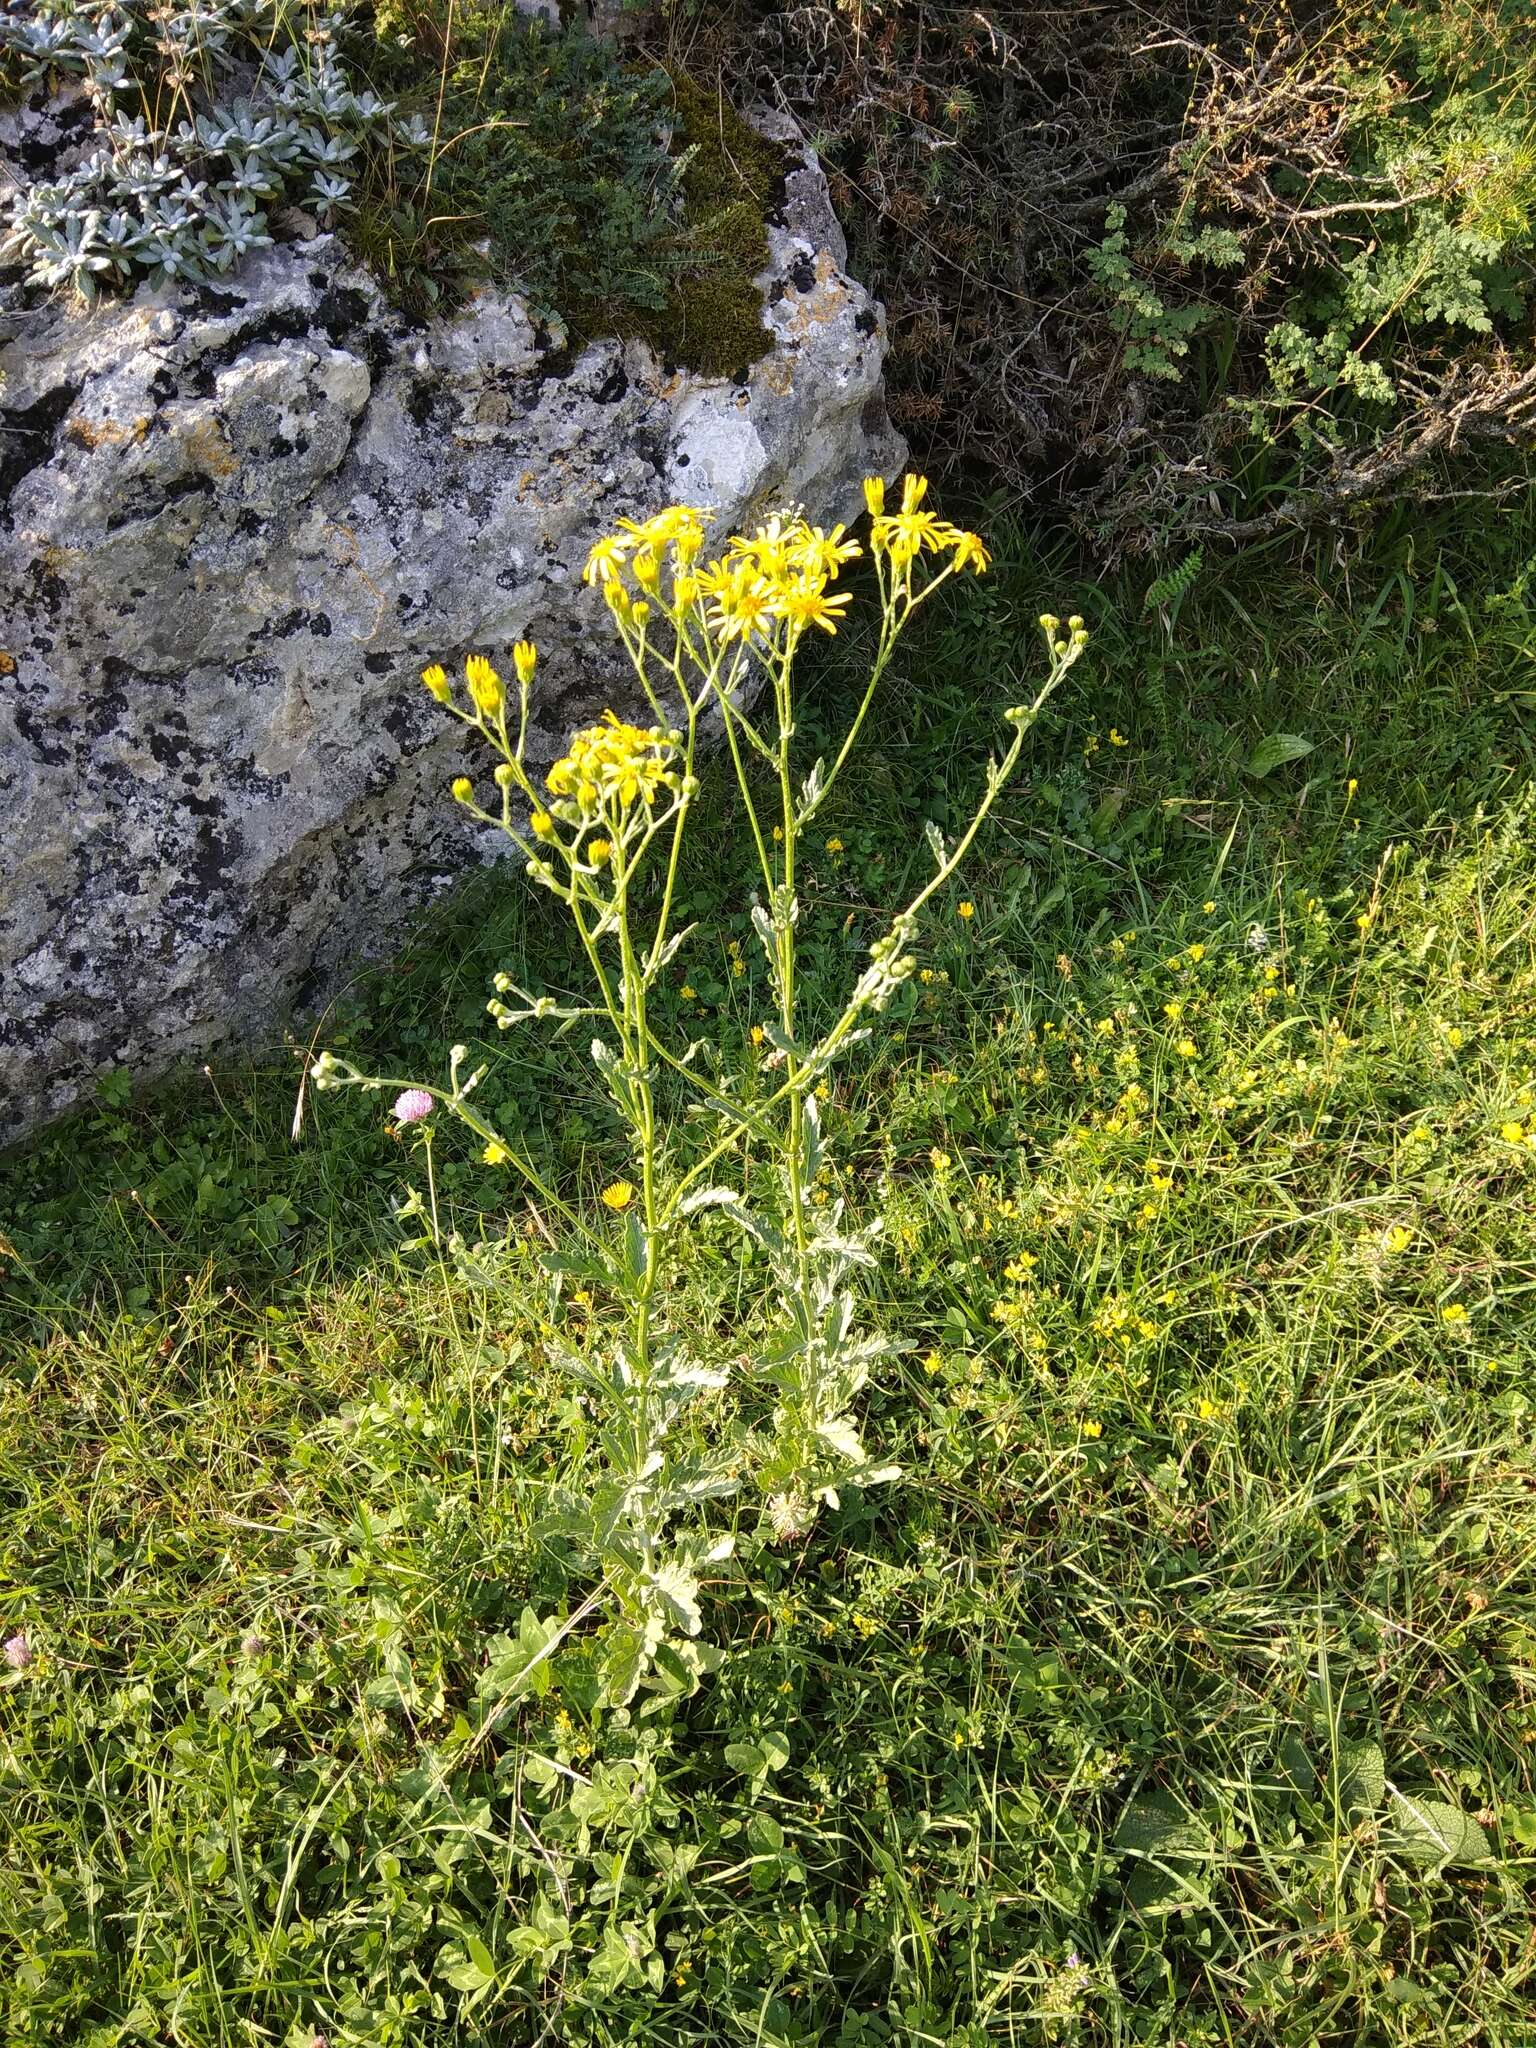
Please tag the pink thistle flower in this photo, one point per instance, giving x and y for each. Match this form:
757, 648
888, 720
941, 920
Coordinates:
412, 1104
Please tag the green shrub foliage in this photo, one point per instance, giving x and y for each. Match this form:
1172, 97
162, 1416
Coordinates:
449, 144
1200, 271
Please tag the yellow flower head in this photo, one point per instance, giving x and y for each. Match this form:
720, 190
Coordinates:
543, 825
598, 851
525, 658
613, 765
436, 680
966, 911
1398, 1238
874, 495
463, 790
805, 604
1453, 1312
1512, 1134
495, 1153
484, 685
1186, 1048
606, 562
819, 556
971, 553
1093, 1430
618, 1194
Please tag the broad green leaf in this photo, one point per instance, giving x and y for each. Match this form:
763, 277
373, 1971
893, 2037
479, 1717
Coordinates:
1362, 1776
1435, 1832
678, 1591
1274, 751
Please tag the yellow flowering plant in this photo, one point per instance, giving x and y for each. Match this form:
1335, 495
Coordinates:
715, 637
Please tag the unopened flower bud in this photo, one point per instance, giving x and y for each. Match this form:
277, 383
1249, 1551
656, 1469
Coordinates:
504, 775
436, 680
640, 612
1075, 623
525, 658
463, 790
484, 685
874, 495
1049, 622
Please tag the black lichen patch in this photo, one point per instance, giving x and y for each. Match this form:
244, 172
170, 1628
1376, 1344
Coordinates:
27, 435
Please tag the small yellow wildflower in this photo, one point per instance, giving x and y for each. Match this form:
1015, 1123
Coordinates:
463, 790
1186, 1048
834, 844
1117, 738
598, 851
1173, 1010
1208, 907
543, 824
1093, 1430
618, 1194
525, 659
495, 1153
939, 1161
1398, 1238
436, 680
966, 910
757, 1034
1512, 1133
1453, 1312
874, 495
688, 992
1196, 952
1351, 786
1209, 1410
823, 1092
484, 685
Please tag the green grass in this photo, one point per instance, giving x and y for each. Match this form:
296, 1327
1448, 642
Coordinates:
1184, 1690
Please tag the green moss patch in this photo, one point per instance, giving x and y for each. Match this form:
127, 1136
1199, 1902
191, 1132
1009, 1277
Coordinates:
618, 197
713, 316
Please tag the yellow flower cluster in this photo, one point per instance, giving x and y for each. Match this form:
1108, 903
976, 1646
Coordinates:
914, 530
779, 575
613, 765
484, 685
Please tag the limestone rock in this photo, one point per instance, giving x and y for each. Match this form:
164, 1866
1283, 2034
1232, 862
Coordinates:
236, 520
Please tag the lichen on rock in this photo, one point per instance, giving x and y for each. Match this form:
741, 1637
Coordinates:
235, 521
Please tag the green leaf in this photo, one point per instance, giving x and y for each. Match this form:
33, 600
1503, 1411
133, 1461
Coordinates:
1362, 1776
678, 1592
1275, 751
1434, 1832
1166, 1844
